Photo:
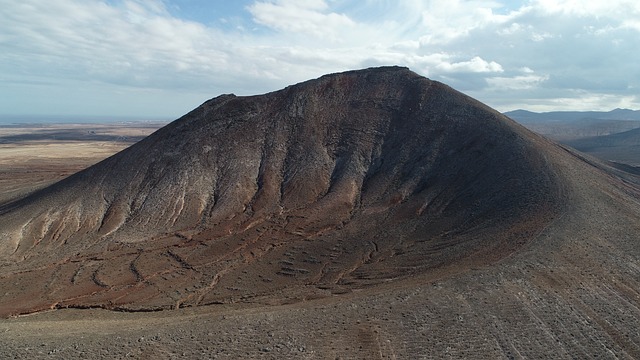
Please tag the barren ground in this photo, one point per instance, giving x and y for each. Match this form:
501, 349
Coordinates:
573, 292
33, 156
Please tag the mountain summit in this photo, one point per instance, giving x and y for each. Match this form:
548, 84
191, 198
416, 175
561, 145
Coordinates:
334, 184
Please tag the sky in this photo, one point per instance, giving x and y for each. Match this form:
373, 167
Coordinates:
162, 58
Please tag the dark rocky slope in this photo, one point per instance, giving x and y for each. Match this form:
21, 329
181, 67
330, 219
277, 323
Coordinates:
334, 184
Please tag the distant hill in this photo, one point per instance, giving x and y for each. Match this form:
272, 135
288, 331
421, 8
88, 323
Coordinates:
622, 147
572, 125
527, 117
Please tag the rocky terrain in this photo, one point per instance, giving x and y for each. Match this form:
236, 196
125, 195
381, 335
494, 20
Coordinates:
367, 214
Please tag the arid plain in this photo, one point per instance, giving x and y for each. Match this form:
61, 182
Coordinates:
35, 155
556, 278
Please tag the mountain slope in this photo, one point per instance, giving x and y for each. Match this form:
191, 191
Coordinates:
621, 147
334, 184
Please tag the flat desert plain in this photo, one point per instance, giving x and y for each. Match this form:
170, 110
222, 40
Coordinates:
35, 155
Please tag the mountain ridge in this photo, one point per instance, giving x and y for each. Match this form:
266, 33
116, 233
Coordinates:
527, 116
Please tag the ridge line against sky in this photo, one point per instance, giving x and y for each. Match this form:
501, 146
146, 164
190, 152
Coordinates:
161, 58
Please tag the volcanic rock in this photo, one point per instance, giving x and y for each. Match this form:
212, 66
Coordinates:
345, 182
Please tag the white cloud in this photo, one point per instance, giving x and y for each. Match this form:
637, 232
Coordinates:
513, 28
114, 44
306, 17
498, 52
519, 82
540, 36
633, 24
475, 65
591, 8
446, 22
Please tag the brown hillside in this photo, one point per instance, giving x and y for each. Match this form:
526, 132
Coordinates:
337, 183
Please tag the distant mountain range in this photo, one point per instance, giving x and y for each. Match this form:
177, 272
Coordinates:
572, 125
623, 147
609, 135
525, 116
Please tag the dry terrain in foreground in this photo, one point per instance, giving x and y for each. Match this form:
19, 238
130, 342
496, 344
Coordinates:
553, 300
570, 294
